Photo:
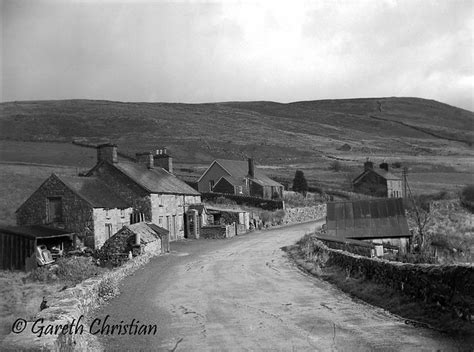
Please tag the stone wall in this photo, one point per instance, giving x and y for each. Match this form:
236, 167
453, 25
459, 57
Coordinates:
66, 307
76, 213
448, 286
217, 231
302, 214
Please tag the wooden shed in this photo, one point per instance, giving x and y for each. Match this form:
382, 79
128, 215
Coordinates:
18, 244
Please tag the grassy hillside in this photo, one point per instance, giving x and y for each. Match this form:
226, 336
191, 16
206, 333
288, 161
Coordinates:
273, 133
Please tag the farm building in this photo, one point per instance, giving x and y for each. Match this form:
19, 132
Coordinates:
138, 238
379, 221
378, 182
149, 186
80, 205
20, 246
238, 177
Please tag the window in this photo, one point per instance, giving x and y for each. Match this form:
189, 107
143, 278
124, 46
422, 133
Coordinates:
55, 209
108, 230
239, 190
107, 213
122, 213
160, 221
211, 185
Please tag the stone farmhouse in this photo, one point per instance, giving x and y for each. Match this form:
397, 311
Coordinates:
378, 182
240, 178
84, 206
148, 185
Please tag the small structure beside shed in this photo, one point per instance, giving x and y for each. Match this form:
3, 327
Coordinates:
19, 245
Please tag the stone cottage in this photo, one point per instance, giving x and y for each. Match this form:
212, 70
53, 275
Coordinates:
148, 185
378, 182
84, 206
239, 177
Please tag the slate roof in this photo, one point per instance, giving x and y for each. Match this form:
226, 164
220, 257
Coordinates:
381, 172
156, 180
148, 232
238, 171
94, 191
35, 231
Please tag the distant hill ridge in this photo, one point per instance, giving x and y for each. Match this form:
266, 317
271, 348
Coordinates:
277, 132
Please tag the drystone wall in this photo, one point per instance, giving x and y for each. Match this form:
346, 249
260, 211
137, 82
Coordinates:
448, 286
68, 307
303, 214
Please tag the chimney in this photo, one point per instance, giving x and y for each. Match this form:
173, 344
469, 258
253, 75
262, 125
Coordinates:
107, 152
368, 165
146, 158
251, 168
384, 166
163, 160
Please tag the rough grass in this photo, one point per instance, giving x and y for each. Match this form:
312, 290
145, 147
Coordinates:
18, 182
20, 298
416, 312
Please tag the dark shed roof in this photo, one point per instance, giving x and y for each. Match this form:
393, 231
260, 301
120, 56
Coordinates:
35, 231
94, 191
365, 219
156, 180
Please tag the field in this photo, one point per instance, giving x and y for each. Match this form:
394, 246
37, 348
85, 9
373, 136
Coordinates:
432, 139
20, 298
19, 182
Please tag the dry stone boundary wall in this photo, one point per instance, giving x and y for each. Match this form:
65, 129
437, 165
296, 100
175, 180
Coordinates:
302, 214
68, 306
448, 286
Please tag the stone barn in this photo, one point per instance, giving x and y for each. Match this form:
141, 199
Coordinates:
85, 206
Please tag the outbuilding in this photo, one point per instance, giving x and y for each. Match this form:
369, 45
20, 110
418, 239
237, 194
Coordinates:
21, 246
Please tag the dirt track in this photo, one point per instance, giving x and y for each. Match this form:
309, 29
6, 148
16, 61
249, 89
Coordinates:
244, 294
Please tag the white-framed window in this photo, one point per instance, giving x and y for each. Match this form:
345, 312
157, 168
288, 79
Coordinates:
211, 185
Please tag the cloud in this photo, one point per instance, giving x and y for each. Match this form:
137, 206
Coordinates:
218, 51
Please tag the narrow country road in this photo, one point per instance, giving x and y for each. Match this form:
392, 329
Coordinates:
243, 294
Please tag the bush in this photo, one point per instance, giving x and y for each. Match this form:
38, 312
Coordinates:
42, 274
76, 269
108, 288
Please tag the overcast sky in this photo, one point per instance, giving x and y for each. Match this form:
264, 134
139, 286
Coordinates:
198, 51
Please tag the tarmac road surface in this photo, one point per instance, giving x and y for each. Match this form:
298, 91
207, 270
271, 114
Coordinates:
243, 294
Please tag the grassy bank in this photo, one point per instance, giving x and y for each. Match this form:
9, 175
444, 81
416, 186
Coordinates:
415, 312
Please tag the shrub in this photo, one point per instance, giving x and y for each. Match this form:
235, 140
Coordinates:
76, 269
225, 201
42, 274
108, 288
266, 217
